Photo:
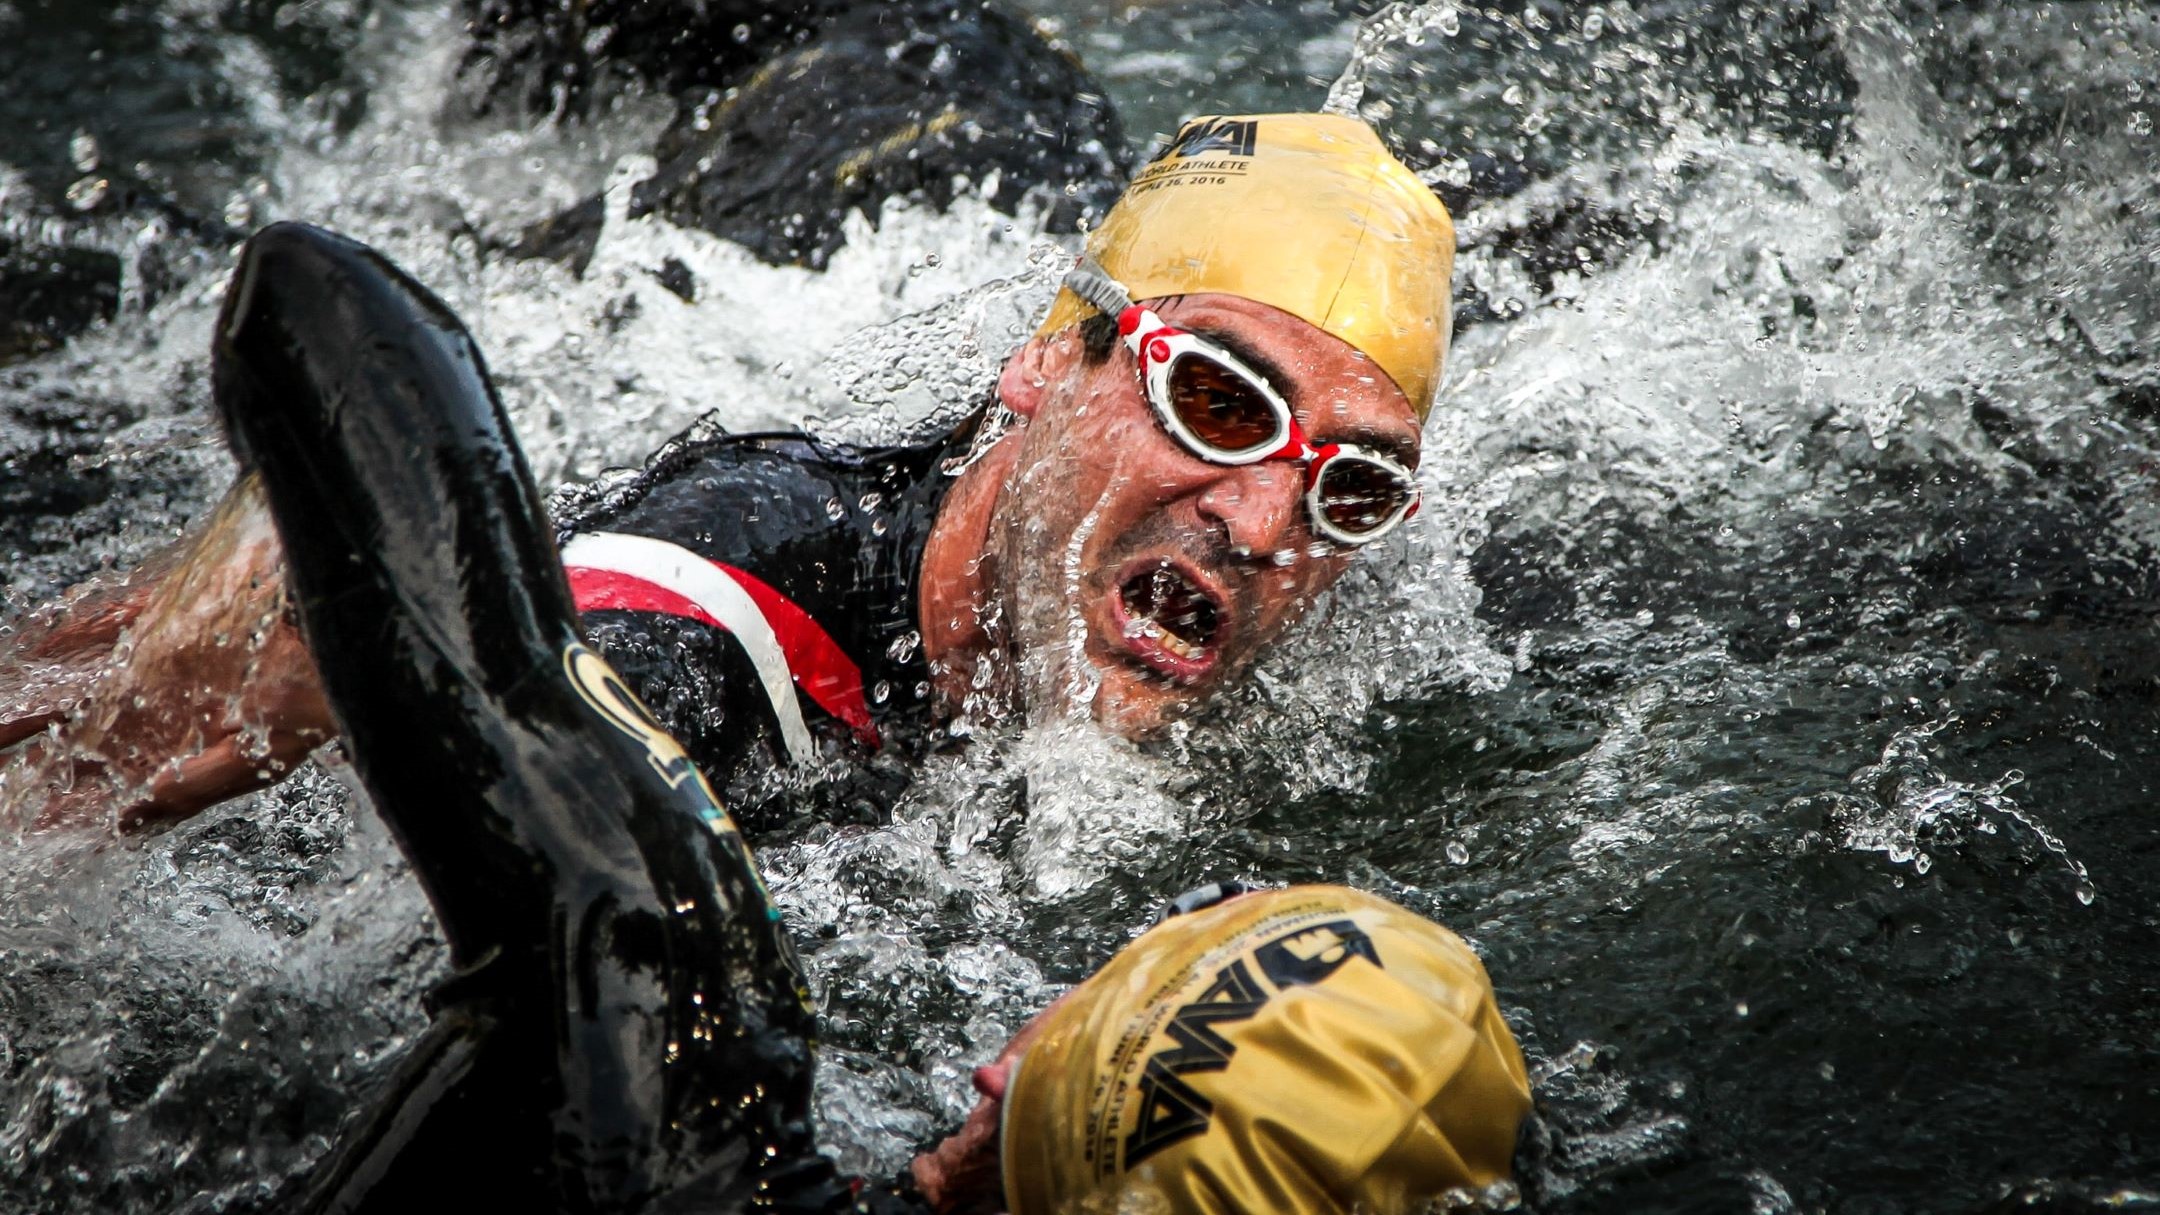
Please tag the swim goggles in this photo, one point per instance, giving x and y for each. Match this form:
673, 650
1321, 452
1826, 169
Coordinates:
1224, 412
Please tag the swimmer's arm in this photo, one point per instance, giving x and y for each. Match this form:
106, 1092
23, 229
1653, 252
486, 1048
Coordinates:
157, 695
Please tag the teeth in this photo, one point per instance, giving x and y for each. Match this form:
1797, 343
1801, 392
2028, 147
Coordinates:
1165, 638
1176, 644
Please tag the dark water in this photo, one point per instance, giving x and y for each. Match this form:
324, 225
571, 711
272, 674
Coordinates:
1770, 693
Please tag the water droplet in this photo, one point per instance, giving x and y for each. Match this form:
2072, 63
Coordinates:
741, 32
88, 193
83, 152
1457, 854
2086, 893
834, 508
1740, 1009
932, 259
1792, 620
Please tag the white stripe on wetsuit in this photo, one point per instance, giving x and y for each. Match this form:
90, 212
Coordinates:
677, 569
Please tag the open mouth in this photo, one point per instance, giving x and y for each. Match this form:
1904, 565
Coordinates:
1170, 621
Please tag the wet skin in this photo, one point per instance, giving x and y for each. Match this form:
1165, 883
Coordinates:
161, 693
1043, 539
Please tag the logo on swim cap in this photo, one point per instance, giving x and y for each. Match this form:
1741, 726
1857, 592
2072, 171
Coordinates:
1305, 957
1229, 136
1171, 1109
1258, 1055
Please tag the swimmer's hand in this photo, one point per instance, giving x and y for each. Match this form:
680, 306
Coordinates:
153, 697
961, 1176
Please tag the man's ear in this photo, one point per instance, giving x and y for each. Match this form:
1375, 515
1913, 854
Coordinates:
1033, 367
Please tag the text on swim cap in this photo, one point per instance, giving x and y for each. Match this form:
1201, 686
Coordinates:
1171, 1110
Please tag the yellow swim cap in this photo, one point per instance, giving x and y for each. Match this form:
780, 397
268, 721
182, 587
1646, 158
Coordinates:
1305, 1050
1308, 213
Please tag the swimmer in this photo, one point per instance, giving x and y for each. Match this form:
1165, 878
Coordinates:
1222, 409
626, 1028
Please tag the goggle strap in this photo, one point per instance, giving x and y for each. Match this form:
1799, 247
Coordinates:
1089, 281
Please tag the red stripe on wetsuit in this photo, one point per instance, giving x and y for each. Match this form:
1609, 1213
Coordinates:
819, 666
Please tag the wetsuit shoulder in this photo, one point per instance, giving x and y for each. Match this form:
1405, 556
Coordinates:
760, 591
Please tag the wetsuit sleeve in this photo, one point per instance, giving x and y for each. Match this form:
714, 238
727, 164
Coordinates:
628, 1020
653, 599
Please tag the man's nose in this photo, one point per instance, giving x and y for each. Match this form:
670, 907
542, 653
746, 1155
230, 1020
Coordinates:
1257, 506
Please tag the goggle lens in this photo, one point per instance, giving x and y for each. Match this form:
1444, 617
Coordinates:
1222, 412
1359, 497
1221, 408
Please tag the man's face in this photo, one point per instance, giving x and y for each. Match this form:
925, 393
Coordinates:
1138, 578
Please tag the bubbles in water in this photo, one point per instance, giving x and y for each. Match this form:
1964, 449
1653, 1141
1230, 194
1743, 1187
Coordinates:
1919, 804
1394, 26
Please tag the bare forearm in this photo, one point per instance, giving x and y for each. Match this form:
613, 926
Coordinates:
163, 692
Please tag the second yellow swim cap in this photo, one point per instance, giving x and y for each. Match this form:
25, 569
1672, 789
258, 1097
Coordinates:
1309, 213
1305, 1050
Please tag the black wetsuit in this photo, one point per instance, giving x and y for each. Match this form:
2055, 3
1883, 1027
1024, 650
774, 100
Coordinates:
627, 1028
760, 593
